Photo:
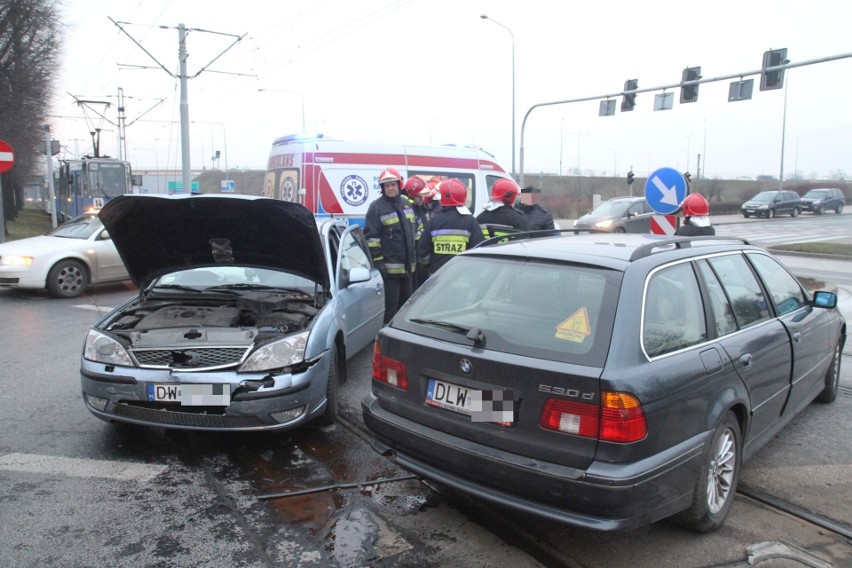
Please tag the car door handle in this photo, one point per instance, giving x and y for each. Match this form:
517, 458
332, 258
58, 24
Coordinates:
379, 289
797, 336
746, 360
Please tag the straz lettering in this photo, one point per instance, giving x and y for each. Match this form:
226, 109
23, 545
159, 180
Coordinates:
570, 393
449, 248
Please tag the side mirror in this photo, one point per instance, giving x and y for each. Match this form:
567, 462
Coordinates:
355, 275
823, 299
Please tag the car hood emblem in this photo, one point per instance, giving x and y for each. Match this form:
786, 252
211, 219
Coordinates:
466, 366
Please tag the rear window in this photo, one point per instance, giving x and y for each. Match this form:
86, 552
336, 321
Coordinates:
555, 311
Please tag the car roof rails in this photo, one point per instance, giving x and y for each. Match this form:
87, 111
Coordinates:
648, 249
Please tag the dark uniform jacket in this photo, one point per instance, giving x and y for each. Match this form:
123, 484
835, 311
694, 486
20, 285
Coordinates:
491, 222
690, 230
390, 228
538, 218
445, 235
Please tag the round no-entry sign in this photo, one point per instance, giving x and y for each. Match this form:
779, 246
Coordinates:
7, 156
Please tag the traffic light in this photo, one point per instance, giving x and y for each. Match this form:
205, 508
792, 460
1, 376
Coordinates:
773, 79
629, 100
689, 93
630, 178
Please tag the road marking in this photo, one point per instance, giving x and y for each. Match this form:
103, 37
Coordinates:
102, 309
77, 467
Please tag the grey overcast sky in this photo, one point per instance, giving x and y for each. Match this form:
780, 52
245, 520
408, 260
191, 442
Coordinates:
433, 71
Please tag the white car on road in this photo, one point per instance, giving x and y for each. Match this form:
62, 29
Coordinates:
65, 261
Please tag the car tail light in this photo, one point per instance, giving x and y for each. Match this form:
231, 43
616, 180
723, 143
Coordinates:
571, 417
387, 370
622, 418
619, 418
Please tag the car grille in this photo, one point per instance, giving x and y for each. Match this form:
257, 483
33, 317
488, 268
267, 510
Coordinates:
186, 419
196, 359
8, 280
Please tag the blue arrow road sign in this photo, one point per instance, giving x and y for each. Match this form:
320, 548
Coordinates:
664, 190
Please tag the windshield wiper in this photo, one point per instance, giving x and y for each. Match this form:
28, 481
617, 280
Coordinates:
247, 286
473, 333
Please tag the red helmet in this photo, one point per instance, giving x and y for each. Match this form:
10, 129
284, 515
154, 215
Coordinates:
695, 205
388, 175
453, 193
505, 190
414, 186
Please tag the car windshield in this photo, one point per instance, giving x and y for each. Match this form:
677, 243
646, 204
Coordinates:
817, 194
81, 227
614, 208
555, 311
765, 197
235, 278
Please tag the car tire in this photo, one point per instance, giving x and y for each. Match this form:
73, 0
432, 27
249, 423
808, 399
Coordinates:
717, 480
839, 209
820, 210
330, 414
795, 212
770, 214
67, 279
619, 230
746, 215
832, 377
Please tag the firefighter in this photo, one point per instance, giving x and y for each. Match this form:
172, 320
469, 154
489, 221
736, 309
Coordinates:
449, 232
390, 228
696, 217
499, 217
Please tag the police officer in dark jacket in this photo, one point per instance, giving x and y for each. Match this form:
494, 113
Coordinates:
390, 229
451, 231
499, 217
538, 218
696, 217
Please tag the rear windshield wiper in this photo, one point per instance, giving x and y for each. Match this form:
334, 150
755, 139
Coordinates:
473, 333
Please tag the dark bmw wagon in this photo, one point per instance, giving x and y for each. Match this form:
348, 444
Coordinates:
603, 381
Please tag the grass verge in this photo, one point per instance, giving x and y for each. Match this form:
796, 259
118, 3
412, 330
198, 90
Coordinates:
839, 249
32, 221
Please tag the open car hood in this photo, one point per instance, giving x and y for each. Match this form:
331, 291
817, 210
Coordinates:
158, 234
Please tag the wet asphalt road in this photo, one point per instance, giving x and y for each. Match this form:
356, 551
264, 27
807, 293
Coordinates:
75, 491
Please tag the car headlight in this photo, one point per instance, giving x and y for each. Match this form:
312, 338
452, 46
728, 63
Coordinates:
763, 207
104, 349
16, 261
605, 224
281, 353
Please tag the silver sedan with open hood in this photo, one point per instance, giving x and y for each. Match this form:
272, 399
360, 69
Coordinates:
247, 311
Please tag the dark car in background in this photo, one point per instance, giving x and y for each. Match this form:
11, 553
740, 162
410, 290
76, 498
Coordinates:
619, 215
824, 199
603, 381
772, 203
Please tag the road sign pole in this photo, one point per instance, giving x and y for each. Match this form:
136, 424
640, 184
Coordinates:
51, 192
2, 214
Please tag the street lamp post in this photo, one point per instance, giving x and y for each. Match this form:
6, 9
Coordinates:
561, 136
300, 95
224, 140
614, 161
484, 17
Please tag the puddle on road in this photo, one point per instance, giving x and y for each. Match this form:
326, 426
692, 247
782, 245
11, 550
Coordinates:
321, 457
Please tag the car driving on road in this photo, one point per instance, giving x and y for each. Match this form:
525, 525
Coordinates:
246, 314
65, 261
821, 200
619, 215
772, 203
605, 382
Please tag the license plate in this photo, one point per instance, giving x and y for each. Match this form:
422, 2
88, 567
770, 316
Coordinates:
191, 395
450, 396
497, 406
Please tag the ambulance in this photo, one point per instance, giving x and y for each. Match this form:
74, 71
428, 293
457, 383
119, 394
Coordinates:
336, 178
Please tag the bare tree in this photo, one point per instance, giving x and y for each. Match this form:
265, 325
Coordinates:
30, 39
